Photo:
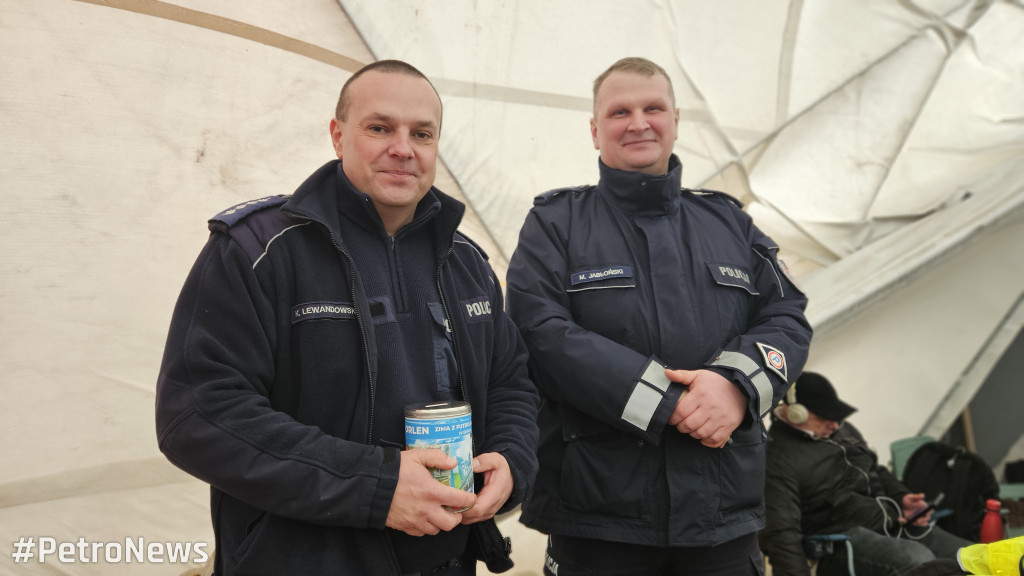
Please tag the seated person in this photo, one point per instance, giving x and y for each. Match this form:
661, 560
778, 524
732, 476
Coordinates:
823, 479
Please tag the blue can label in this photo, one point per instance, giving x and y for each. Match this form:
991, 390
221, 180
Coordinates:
452, 435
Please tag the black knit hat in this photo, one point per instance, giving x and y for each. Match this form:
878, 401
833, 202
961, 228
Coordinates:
816, 393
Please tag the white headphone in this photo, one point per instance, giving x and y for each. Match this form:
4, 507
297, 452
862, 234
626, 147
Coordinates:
796, 413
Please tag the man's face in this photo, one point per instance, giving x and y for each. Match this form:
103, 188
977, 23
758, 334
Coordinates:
821, 427
635, 122
388, 141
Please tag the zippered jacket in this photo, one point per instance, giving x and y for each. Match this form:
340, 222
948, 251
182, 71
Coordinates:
267, 389
821, 486
611, 284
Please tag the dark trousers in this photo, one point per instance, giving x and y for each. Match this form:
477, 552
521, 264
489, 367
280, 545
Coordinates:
462, 566
568, 556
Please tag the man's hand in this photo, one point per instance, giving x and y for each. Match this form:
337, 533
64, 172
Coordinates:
912, 503
418, 506
710, 410
497, 487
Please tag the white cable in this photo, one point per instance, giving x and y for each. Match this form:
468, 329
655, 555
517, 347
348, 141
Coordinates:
882, 501
931, 525
903, 528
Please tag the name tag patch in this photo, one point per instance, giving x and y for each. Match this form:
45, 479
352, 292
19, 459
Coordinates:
601, 274
730, 275
317, 310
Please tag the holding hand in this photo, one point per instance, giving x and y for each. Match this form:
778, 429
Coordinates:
497, 488
912, 503
710, 410
418, 506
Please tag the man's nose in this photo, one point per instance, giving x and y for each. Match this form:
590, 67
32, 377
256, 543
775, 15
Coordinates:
400, 146
638, 122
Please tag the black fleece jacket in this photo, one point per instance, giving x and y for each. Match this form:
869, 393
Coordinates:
269, 385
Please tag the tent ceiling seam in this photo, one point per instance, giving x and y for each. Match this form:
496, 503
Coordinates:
912, 263
904, 138
215, 23
784, 82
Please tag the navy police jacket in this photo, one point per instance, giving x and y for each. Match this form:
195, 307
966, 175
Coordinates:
611, 284
267, 389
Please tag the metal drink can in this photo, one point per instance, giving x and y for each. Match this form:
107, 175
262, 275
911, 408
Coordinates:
446, 426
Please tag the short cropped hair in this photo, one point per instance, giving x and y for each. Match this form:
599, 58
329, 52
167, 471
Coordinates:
385, 66
634, 65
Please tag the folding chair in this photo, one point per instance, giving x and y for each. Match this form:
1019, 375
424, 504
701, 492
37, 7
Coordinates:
817, 546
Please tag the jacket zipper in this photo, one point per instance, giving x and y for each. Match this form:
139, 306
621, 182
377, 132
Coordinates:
867, 477
455, 347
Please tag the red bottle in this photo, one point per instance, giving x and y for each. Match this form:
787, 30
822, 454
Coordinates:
992, 524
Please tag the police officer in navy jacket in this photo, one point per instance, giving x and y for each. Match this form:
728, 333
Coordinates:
661, 328
306, 326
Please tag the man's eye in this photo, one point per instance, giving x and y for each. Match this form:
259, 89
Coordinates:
378, 129
423, 135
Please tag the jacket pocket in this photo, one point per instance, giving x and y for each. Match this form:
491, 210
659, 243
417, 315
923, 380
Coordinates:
605, 472
742, 474
277, 545
734, 290
446, 370
252, 534
733, 275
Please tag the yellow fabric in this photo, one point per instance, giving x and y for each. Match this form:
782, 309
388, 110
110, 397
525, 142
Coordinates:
994, 559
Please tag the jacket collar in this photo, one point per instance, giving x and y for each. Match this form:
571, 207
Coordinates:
641, 193
328, 192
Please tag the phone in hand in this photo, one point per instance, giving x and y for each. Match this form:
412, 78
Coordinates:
929, 506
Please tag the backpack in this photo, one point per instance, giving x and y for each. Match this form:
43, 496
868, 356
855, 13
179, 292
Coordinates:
964, 477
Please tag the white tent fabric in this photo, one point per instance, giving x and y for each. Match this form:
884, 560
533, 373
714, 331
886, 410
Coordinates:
881, 143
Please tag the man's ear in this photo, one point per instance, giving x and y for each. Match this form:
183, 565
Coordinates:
593, 133
336, 136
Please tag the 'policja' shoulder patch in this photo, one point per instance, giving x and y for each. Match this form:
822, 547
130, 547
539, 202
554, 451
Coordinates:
775, 360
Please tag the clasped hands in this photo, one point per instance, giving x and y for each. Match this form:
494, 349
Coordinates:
422, 505
710, 409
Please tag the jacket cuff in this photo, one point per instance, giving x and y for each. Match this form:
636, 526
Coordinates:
652, 401
386, 485
752, 378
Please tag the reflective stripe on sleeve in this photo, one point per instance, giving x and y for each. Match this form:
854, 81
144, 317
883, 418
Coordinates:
641, 406
647, 394
737, 361
655, 376
761, 382
764, 393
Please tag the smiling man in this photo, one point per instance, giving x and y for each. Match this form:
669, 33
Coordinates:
386, 130
661, 329
635, 121
307, 325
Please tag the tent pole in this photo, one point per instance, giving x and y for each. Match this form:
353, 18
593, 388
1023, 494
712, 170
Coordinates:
968, 428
